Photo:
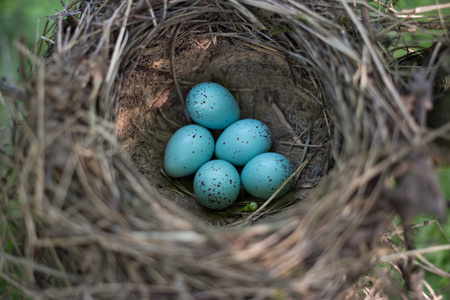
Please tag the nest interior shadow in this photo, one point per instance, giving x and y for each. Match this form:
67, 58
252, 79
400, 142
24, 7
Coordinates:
268, 85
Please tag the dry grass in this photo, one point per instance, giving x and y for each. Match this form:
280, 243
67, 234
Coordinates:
79, 221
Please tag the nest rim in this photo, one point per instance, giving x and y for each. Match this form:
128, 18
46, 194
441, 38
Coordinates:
241, 249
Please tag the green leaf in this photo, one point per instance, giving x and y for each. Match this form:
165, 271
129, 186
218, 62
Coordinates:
444, 181
252, 206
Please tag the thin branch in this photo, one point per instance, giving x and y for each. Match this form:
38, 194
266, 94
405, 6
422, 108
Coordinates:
12, 91
400, 255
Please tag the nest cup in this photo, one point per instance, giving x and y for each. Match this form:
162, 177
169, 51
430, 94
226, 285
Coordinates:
268, 84
99, 220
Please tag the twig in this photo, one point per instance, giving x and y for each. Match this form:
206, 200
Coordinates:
365, 17
421, 9
280, 115
268, 201
12, 91
427, 265
301, 144
312, 118
400, 255
174, 73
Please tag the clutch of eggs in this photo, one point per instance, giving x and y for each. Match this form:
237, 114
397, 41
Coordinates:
211, 105
243, 140
265, 173
187, 150
217, 182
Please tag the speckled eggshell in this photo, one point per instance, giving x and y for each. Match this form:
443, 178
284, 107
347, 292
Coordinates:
242, 141
265, 173
217, 184
211, 105
187, 150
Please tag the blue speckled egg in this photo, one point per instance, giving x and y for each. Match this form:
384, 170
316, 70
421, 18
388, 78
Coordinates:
187, 150
265, 173
217, 184
242, 141
211, 105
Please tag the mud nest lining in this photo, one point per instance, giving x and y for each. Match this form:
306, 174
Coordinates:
99, 220
268, 87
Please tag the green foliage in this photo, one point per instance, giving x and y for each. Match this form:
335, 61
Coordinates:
275, 30
21, 19
408, 4
430, 234
252, 206
404, 41
18, 19
444, 181
8, 232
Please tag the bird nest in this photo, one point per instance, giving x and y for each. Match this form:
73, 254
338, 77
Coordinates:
97, 216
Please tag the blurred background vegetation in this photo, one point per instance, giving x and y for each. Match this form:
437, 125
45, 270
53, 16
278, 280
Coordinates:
23, 20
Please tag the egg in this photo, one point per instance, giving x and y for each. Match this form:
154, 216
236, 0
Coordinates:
211, 105
243, 140
187, 150
265, 173
217, 184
